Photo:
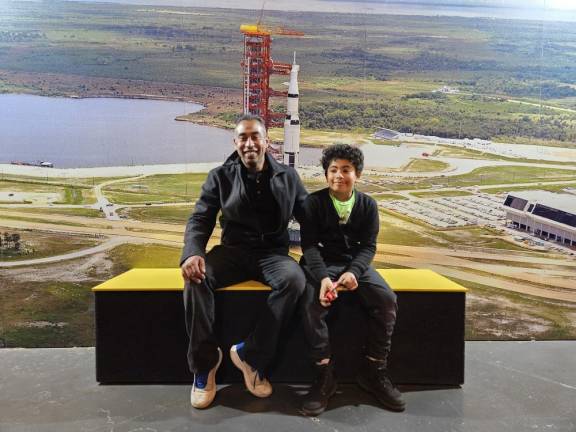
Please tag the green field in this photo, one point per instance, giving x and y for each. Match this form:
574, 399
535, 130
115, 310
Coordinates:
492, 176
439, 194
85, 212
425, 165
157, 189
176, 215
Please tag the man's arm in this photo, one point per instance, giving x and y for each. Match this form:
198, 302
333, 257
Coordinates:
370, 227
202, 221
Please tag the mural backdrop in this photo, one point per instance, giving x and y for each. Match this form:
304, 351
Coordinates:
112, 114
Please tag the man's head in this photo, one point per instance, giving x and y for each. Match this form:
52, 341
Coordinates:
342, 165
251, 141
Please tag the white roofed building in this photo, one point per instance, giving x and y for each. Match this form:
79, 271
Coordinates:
551, 216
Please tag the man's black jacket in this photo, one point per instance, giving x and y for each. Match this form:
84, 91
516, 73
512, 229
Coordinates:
225, 191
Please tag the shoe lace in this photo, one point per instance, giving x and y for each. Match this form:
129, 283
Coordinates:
258, 377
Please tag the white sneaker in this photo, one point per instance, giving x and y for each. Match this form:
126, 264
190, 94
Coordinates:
259, 387
204, 387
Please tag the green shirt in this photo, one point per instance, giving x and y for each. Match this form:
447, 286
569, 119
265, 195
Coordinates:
344, 208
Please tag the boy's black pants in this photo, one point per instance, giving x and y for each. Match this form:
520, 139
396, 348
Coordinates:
376, 297
230, 265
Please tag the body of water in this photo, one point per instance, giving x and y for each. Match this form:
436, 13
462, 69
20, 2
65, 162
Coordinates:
538, 11
98, 132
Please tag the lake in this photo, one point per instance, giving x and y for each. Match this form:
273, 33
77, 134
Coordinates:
96, 132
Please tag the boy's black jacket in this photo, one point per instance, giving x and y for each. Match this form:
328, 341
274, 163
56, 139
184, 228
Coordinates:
325, 240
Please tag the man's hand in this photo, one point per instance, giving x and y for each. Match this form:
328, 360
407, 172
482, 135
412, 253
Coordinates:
194, 268
348, 281
328, 292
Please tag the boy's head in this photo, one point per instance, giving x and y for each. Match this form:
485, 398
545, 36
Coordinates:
342, 165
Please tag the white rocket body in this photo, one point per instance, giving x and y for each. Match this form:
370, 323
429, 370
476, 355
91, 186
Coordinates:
292, 122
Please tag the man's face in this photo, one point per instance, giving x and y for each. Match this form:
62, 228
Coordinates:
251, 143
341, 177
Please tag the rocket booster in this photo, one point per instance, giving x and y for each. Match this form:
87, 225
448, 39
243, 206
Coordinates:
292, 122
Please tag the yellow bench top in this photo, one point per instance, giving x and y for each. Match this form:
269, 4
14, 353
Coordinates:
170, 279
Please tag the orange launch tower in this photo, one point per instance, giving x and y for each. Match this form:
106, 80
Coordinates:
257, 66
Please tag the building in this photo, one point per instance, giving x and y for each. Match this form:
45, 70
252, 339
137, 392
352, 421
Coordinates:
548, 215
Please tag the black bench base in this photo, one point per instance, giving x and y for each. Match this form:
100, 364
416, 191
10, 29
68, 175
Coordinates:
141, 338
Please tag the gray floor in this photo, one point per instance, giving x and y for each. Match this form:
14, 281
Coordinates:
510, 386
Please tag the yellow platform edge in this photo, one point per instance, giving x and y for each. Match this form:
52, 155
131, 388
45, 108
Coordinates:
170, 279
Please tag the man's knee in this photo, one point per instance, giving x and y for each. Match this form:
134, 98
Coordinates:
293, 281
298, 280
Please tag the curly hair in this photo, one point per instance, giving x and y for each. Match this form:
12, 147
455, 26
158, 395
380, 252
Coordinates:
343, 151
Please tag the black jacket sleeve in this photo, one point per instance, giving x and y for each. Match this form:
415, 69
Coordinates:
367, 248
202, 221
309, 233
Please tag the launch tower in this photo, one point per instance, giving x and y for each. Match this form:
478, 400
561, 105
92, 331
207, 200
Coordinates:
257, 66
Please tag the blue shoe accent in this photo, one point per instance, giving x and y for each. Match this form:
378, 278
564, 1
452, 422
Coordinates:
240, 350
200, 380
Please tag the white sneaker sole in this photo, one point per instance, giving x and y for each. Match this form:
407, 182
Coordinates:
211, 385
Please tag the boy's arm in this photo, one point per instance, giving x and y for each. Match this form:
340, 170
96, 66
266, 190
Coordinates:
309, 233
202, 221
370, 227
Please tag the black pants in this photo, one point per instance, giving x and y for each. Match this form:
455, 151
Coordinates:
227, 266
378, 300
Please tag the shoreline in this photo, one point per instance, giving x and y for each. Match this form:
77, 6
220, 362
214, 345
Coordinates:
113, 171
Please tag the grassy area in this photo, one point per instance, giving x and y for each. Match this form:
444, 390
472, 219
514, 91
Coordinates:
86, 212
426, 165
177, 215
493, 176
457, 152
405, 231
36, 244
126, 257
324, 138
139, 198
438, 194
543, 186
48, 314
157, 188
477, 237
7, 215
386, 196
492, 314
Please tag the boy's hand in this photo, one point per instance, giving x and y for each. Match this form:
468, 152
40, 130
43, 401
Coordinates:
348, 281
328, 292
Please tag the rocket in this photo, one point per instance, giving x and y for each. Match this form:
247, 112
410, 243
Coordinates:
292, 122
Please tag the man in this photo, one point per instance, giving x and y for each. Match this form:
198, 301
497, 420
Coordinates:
256, 197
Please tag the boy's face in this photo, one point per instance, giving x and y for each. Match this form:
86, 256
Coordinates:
341, 176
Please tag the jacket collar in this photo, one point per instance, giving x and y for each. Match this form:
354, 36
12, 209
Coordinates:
273, 166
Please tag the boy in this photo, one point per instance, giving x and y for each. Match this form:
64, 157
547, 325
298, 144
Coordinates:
339, 235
